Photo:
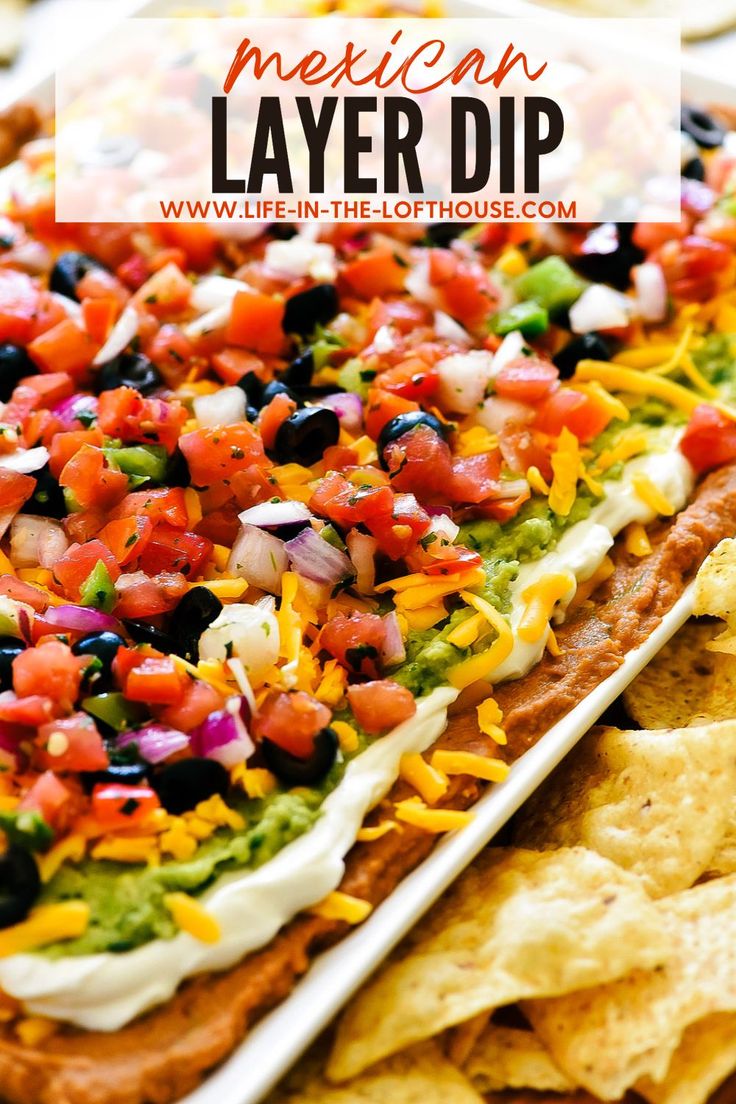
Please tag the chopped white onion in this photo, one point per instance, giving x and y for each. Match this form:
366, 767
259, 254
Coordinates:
271, 515
119, 337
221, 408
418, 285
71, 306
495, 413
25, 461
651, 291
384, 340
600, 308
393, 650
36, 541
250, 633
512, 346
238, 671
215, 291
444, 528
463, 378
214, 319
447, 328
509, 488
258, 557
299, 257
362, 548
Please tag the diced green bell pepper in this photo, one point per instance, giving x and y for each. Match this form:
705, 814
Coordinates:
98, 589
354, 376
115, 710
530, 317
26, 828
145, 461
551, 283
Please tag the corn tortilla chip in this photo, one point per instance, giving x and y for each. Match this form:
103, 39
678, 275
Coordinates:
609, 1038
511, 1058
715, 584
674, 687
421, 1075
656, 803
723, 861
517, 924
704, 1059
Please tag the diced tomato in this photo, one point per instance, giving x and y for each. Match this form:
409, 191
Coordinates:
64, 446
231, 364
171, 351
198, 701
159, 504
127, 538
126, 659
28, 712
93, 484
338, 499
468, 291
15, 489
291, 721
450, 559
48, 796
118, 806
503, 509
381, 704
270, 418
49, 388
695, 267
527, 379
80, 749
170, 549
65, 348
149, 597
381, 407
339, 457
134, 271
355, 642
124, 413
255, 323
420, 461
156, 680
18, 302
29, 595
166, 292
197, 241
412, 379
650, 235
375, 274
85, 525
74, 567
99, 317
216, 454
475, 478
709, 440
522, 449
401, 314
99, 285
397, 534
49, 313
49, 669
584, 415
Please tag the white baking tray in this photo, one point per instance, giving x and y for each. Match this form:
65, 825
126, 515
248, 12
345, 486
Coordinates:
281, 1037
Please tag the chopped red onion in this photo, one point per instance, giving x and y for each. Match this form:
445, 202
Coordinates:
260, 558
272, 515
36, 540
224, 736
362, 548
120, 336
348, 407
314, 558
155, 742
82, 619
10, 754
68, 410
25, 461
393, 650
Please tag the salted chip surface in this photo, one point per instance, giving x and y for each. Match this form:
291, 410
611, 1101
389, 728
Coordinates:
511, 1058
704, 1059
516, 924
609, 1038
715, 584
656, 803
675, 686
723, 860
421, 1075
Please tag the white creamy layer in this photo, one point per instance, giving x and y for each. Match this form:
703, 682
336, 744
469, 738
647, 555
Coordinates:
102, 992
584, 546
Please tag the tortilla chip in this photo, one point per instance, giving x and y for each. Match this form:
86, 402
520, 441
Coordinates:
516, 924
421, 1075
511, 1058
674, 686
656, 803
704, 1059
715, 584
609, 1038
723, 860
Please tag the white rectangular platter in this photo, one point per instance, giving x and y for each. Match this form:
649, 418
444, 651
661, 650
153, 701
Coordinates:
280, 1038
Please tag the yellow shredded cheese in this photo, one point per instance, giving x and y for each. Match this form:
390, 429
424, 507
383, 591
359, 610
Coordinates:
409, 582
290, 626
34, 1030
480, 666
536, 481
586, 588
347, 736
332, 687
637, 541
615, 377
6, 567
541, 598
631, 443
191, 917
467, 632
342, 906
256, 781
70, 849
46, 924
426, 617
552, 646
429, 783
476, 440
566, 464
467, 762
124, 849
436, 821
220, 556
489, 720
202, 671
512, 262
374, 832
223, 588
651, 495
610, 403
193, 507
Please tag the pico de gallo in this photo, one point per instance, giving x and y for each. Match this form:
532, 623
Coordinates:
258, 497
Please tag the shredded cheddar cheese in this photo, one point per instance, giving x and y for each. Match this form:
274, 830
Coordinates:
651, 495
69, 849
191, 917
416, 813
34, 1030
429, 783
374, 832
46, 924
615, 377
467, 762
342, 906
489, 720
480, 666
566, 463
467, 632
541, 598
536, 481
636, 540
